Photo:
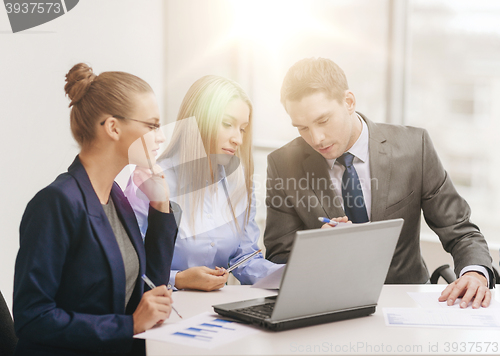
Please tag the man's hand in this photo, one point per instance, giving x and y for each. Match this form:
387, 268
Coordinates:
201, 278
343, 219
472, 286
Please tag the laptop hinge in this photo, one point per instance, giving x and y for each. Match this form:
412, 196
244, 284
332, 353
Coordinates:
320, 314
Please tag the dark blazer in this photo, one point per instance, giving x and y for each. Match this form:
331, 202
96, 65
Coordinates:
407, 178
69, 284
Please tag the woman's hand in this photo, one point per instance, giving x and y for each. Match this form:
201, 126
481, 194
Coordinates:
154, 186
343, 219
201, 278
154, 308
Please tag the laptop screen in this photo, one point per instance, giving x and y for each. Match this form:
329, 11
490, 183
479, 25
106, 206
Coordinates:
335, 269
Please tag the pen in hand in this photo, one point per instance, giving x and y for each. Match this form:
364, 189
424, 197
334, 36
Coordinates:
152, 286
328, 221
147, 157
242, 261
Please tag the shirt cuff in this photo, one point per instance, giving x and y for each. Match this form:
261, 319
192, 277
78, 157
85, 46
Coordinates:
476, 268
171, 282
171, 211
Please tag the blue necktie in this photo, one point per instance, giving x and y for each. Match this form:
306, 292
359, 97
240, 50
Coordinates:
354, 202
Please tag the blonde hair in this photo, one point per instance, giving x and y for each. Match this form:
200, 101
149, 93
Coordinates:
206, 102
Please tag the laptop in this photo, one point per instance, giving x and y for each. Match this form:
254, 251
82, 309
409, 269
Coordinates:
331, 274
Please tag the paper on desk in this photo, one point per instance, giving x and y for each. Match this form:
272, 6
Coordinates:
271, 281
442, 318
430, 300
206, 330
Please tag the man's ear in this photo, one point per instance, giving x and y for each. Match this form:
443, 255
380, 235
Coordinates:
350, 101
112, 128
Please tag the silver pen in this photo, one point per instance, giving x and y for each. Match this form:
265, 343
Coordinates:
242, 261
152, 286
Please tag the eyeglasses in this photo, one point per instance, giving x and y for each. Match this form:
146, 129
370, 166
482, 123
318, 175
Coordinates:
152, 126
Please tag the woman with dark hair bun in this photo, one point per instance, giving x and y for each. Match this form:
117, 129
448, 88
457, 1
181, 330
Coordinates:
77, 284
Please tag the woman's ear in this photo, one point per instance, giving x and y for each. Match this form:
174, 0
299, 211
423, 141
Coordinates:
350, 101
112, 128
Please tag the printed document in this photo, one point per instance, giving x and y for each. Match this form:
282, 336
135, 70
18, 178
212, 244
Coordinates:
484, 318
206, 330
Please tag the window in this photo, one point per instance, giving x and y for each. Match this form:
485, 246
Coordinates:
453, 90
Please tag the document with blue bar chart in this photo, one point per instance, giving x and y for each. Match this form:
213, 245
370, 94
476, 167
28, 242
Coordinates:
206, 330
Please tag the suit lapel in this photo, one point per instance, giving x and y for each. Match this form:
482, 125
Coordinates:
380, 169
318, 178
103, 233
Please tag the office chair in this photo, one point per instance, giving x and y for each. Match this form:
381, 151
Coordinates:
497, 276
8, 339
443, 271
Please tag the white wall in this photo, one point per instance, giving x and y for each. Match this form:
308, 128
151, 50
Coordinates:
35, 140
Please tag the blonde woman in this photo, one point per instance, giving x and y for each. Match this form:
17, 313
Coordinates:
209, 167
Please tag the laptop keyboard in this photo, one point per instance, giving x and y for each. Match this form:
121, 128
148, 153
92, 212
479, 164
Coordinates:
262, 311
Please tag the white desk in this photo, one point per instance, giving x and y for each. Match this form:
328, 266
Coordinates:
362, 336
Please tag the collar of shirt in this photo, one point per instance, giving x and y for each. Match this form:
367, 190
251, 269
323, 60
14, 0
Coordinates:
221, 173
360, 147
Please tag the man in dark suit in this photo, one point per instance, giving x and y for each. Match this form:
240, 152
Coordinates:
345, 164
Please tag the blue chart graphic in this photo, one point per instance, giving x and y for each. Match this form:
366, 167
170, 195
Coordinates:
208, 325
25, 14
206, 331
193, 336
201, 331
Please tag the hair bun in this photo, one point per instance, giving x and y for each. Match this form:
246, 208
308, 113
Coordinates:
78, 82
